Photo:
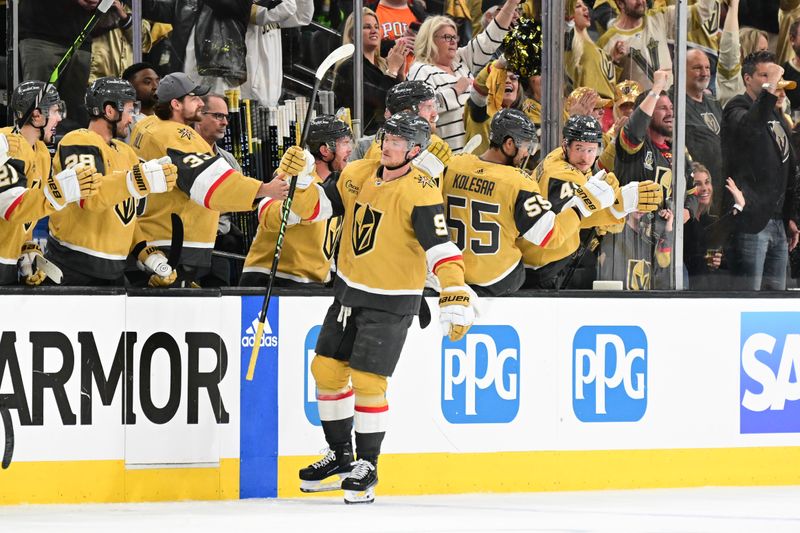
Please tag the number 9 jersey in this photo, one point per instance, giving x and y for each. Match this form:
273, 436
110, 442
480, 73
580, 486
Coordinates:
488, 206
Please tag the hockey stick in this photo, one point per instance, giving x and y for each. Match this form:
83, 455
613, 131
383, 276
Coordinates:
100, 10
343, 52
473, 143
8, 451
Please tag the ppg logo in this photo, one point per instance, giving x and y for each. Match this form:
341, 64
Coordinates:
609, 374
480, 376
309, 387
770, 373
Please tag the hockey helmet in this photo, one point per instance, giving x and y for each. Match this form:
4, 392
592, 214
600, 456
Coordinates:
109, 90
512, 123
408, 95
409, 126
583, 128
325, 130
25, 95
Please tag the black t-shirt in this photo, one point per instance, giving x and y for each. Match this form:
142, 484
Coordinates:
56, 21
792, 74
703, 127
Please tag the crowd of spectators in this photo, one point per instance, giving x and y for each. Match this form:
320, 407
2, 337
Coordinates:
742, 71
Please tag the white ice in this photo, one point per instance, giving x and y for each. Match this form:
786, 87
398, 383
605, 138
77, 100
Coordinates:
729, 510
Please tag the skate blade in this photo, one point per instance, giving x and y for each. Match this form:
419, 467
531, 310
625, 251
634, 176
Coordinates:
365, 496
330, 483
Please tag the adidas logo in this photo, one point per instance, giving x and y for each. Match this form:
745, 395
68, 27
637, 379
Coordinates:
267, 338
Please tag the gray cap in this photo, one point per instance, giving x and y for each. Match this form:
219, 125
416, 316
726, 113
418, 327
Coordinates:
178, 85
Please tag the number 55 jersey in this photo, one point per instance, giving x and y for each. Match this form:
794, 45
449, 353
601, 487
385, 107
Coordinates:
488, 206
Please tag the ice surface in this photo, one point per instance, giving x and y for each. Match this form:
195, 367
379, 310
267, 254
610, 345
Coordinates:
729, 510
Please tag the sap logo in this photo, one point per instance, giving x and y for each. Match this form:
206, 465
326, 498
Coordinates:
309, 386
770, 373
609, 374
480, 376
267, 338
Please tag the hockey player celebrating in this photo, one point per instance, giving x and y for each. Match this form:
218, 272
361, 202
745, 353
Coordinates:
561, 175
23, 199
394, 233
207, 185
491, 203
308, 247
415, 96
90, 241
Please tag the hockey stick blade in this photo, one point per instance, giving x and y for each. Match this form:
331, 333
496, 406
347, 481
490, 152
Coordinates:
51, 270
341, 53
473, 143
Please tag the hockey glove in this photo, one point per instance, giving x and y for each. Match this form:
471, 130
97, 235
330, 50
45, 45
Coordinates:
293, 161
456, 311
154, 176
9, 144
434, 158
70, 185
28, 272
592, 197
151, 259
637, 196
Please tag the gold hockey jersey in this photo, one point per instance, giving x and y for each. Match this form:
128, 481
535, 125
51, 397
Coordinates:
308, 247
393, 233
94, 236
488, 207
22, 201
558, 180
207, 185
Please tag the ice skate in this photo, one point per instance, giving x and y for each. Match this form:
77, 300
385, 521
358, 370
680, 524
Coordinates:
359, 486
327, 473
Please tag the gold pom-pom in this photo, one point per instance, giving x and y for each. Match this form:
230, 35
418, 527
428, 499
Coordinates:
523, 48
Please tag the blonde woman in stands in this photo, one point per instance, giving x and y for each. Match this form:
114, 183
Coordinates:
587, 64
449, 69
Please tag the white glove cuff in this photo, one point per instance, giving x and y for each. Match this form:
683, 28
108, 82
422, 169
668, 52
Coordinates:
158, 265
305, 178
3, 149
575, 202
70, 188
428, 163
131, 187
154, 174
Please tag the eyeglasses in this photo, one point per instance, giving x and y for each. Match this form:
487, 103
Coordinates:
448, 38
218, 116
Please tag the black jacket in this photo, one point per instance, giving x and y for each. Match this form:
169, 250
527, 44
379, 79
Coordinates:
758, 154
184, 14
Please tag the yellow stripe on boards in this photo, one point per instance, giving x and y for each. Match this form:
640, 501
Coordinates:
110, 481
444, 473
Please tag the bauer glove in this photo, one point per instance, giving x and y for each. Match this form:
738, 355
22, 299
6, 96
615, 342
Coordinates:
434, 158
593, 196
9, 144
70, 185
456, 311
29, 274
637, 196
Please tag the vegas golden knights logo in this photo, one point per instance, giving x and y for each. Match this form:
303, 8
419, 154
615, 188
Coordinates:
712, 122
664, 178
711, 25
365, 228
607, 67
333, 230
126, 211
638, 275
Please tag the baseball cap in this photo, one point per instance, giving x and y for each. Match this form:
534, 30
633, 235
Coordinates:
787, 84
626, 92
178, 85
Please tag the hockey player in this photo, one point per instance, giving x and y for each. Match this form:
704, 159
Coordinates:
562, 173
394, 232
416, 96
90, 241
490, 203
206, 182
23, 199
308, 247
